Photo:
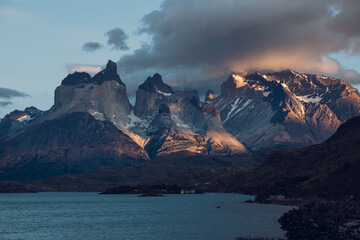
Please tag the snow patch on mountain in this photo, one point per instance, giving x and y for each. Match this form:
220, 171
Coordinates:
236, 106
244, 106
309, 98
163, 93
181, 125
266, 94
25, 118
97, 115
133, 119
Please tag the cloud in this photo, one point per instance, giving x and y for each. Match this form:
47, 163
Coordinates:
350, 75
8, 93
4, 103
91, 69
117, 39
91, 46
196, 40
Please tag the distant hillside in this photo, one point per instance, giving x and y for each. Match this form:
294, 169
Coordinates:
328, 169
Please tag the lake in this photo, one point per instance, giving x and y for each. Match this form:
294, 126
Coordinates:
34, 216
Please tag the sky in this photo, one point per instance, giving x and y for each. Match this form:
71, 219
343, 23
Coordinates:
191, 43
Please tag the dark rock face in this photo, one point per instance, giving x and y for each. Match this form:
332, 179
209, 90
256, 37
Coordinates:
76, 78
284, 109
73, 143
108, 74
164, 109
155, 84
328, 169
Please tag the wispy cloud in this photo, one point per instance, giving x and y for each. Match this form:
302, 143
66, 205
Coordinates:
8, 93
117, 39
91, 69
5, 103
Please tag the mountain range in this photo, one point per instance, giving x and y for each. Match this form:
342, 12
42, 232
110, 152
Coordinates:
92, 123
284, 109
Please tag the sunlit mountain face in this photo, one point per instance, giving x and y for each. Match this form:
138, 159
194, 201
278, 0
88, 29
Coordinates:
284, 109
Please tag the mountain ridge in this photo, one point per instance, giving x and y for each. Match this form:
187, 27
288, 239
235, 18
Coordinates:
88, 113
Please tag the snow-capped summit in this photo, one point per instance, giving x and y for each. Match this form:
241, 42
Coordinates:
284, 109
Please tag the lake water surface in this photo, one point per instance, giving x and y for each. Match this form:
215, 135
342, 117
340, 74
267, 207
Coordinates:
35, 216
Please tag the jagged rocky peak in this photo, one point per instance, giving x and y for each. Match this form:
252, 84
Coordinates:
18, 119
151, 94
76, 78
103, 96
210, 95
205, 108
162, 122
108, 74
230, 86
195, 101
164, 109
28, 114
156, 84
33, 112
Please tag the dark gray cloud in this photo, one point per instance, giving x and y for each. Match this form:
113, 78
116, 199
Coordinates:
4, 103
195, 40
91, 46
7, 93
11, 93
117, 39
